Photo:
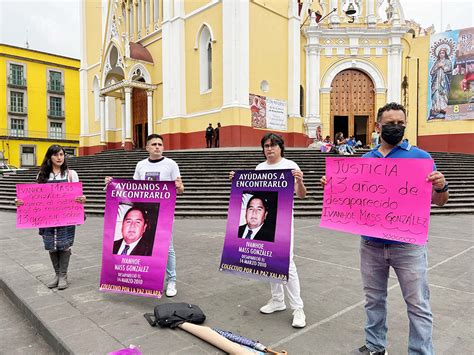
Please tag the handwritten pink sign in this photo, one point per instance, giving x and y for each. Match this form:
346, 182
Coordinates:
49, 205
382, 198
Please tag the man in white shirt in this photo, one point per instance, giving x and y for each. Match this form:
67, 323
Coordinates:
159, 168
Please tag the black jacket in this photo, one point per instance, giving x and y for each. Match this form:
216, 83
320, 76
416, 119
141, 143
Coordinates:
263, 234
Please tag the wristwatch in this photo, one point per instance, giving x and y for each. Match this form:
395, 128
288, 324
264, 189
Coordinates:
444, 189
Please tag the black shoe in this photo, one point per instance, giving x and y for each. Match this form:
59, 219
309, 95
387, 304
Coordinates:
364, 350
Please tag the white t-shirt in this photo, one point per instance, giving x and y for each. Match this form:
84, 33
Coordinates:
282, 164
70, 175
164, 169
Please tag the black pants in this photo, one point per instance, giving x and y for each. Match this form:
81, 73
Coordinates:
209, 142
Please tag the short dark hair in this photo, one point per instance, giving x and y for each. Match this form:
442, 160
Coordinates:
254, 197
391, 106
136, 208
154, 136
274, 139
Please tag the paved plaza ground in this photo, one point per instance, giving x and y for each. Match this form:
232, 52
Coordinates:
83, 320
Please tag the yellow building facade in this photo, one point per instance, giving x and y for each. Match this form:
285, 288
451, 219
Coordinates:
172, 67
40, 104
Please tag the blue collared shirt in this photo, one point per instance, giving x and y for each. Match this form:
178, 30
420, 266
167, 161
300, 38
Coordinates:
402, 150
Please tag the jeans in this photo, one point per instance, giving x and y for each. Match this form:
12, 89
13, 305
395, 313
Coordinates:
410, 263
171, 264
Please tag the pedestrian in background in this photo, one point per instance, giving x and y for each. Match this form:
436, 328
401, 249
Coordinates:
216, 135
209, 135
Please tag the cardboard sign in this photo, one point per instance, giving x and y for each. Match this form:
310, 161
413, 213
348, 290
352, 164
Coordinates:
138, 222
258, 233
382, 198
49, 205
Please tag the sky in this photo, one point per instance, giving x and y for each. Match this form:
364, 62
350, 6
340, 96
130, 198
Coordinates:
53, 25
48, 25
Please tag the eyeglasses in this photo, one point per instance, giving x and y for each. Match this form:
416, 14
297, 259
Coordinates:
268, 146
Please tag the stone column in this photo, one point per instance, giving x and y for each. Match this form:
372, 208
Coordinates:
371, 15
122, 102
334, 18
135, 18
152, 16
128, 118
235, 42
127, 21
312, 119
149, 101
173, 59
313, 68
293, 60
394, 74
143, 16
102, 119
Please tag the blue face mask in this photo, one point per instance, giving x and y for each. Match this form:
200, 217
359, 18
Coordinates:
392, 133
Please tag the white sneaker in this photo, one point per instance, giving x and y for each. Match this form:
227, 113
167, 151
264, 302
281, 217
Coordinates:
171, 290
299, 319
273, 306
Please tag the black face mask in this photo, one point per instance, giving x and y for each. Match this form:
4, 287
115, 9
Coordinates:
392, 133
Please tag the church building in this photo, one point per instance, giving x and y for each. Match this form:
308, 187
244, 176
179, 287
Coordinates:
305, 69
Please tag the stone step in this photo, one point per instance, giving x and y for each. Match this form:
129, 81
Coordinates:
207, 188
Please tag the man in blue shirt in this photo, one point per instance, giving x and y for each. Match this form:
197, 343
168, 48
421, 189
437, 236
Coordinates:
408, 260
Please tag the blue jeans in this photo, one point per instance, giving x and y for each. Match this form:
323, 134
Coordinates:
171, 264
410, 263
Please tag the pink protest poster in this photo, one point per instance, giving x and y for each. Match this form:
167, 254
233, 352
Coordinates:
138, 225
382, 198
49, 205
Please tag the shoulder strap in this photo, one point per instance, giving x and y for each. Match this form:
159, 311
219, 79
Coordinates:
69, 176
148, 317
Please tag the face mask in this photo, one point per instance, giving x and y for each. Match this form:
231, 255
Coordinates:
392, 133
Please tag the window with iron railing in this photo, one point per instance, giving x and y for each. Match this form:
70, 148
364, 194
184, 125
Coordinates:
17, 127
55, 107
16, 77
7, 132
17, 103
56, 130
55, 82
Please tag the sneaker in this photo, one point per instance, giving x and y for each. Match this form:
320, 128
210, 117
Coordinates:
273, 306
299, 319
363, 350
171, 290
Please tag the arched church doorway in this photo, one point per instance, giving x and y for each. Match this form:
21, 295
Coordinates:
352, 105
139, 114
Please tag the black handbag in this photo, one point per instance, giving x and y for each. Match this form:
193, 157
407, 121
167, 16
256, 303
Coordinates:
173, 314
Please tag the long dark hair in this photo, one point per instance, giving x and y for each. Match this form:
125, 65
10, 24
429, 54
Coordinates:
46, 167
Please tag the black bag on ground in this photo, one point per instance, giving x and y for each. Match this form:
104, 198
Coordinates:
173, 314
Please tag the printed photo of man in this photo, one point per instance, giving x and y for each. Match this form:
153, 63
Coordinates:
135, 240
256, 214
